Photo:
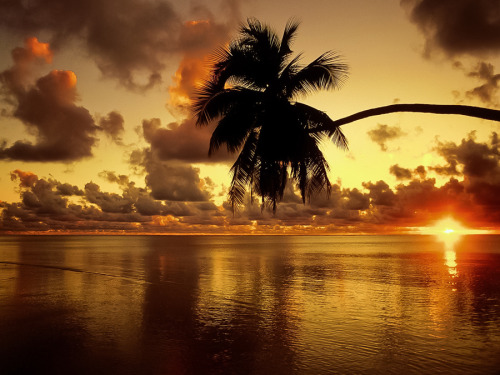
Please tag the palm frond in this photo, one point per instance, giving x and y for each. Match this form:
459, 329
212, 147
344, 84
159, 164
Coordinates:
213, 102
320, 123
243, 170
233, 129
326, 72
318, 168
259, 36
288, 37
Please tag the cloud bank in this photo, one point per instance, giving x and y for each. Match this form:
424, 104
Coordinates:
176, 200
129, 40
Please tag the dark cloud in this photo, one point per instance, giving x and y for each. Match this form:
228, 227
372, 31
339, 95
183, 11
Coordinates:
68, 189
63, 130
26, 59
174, 182
460, 28
130, 40
420, 171
457, 27
46, 205
124, 36
487, 93
383, 133
480, 166
380, 193
112, 126
175, 199
400, 173
356, 200
447, 170
107, 202
478, 160
181, 141
169, 180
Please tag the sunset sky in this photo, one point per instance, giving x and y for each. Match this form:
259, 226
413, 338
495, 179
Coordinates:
96, 136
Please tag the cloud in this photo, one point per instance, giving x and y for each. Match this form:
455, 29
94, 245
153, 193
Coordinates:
46, 205
125, 37
420, 171
480, 165
380, 193
107, 202
199, 39
176, 199
487, 93
171, 180
478, 160
26, 59
383, 133
400, 173
174, 182
63, 130
26, 179
457, 27
112, 126
130, 40
182, 141
66, 189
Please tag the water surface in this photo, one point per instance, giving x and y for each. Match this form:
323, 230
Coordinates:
249, 305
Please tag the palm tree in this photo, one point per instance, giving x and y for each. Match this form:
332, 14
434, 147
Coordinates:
442, 109
252, 92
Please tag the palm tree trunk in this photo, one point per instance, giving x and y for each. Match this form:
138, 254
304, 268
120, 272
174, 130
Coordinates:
464, 110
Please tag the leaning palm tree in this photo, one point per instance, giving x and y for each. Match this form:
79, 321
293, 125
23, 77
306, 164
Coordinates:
252, 92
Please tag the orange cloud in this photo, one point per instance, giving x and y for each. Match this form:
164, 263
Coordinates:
198, 39
59, 84
27, 179
39, 49
190, 73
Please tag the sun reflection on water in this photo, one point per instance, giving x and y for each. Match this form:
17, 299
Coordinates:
449, 232
450, 257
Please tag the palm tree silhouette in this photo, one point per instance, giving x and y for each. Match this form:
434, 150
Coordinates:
253, 90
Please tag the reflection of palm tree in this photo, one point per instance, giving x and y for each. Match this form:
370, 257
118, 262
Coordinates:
252, 91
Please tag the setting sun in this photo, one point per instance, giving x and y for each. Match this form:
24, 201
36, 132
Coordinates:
450, 227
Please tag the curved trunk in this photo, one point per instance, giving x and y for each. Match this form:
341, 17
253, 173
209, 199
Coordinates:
464, 110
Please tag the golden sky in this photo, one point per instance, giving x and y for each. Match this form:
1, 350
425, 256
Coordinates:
95, 134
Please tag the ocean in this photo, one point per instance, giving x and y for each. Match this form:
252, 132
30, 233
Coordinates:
249, 305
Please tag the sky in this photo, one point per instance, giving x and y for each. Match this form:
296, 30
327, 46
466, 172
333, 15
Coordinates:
96, 135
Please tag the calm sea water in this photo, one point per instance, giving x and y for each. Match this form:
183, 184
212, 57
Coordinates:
249, 305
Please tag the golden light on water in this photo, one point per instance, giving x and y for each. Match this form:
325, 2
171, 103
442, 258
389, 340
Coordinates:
450, 257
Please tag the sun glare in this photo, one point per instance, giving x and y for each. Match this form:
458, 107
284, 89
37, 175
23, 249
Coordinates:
449, 227
447, 230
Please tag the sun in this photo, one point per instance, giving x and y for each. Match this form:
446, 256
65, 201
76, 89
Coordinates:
450, 226
447, 230
447, 226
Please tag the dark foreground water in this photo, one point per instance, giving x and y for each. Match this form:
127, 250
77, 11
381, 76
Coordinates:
249, 305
